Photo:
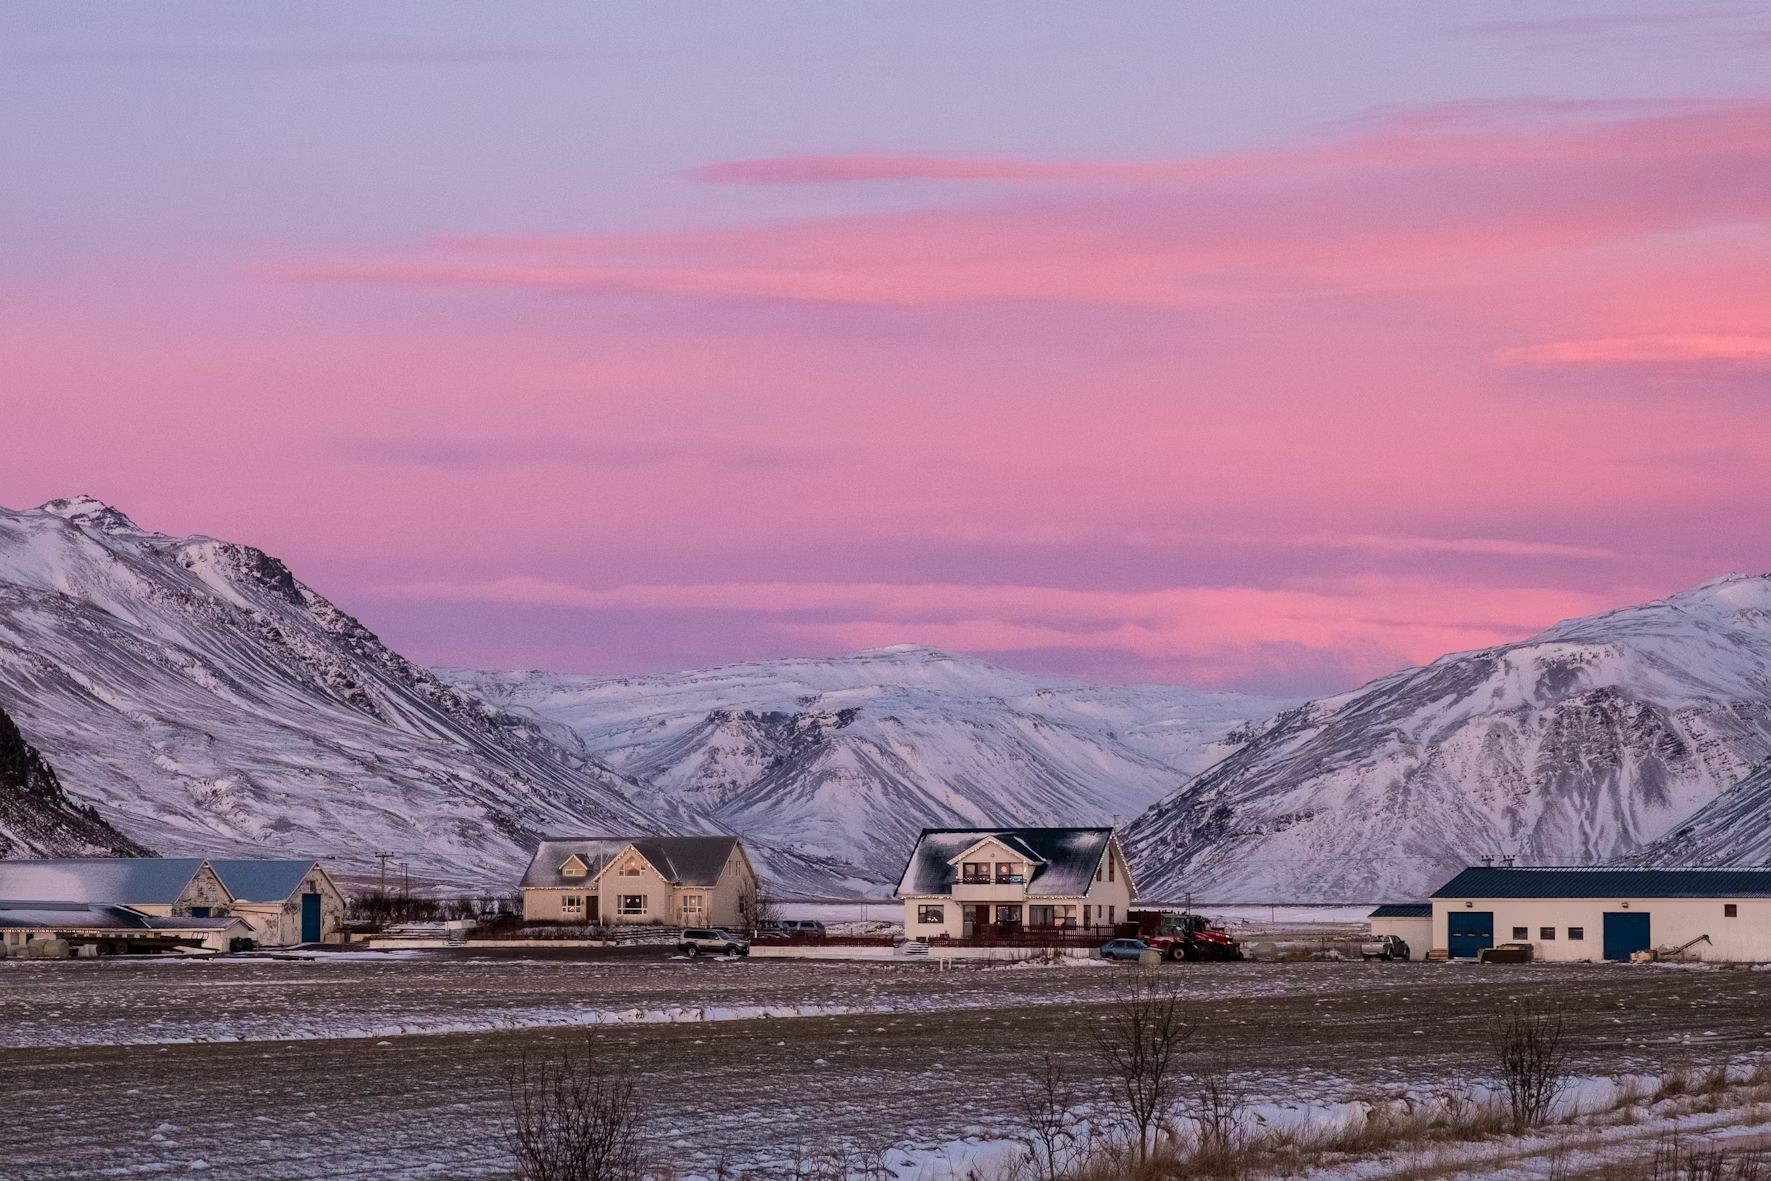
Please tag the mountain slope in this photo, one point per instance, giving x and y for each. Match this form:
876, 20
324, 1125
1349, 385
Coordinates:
1579, 745
208, 701
37, 817
850, 757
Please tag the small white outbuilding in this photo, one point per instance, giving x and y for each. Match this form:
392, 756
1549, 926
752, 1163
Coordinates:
1602, 913
1411, 921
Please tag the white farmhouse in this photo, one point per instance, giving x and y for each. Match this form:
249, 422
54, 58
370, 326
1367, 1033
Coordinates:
1605, 913
965, 882
674, 881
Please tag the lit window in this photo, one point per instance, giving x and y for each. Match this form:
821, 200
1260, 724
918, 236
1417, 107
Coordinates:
694, 904
633, 904
933, 916
975, 873
572, 904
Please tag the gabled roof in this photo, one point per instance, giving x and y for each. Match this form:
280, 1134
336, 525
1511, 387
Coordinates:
1007, 840
135, 881
682, 861
1484, 881
1403, 910
1065, 868
252, 880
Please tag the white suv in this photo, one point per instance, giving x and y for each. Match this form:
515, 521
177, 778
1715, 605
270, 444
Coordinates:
696, 940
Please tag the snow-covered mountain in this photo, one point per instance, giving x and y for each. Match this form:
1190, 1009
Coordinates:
1583, 744
37, 817
206, 701
849, 757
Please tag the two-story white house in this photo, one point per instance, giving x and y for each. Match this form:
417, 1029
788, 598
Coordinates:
962, 882
675, 881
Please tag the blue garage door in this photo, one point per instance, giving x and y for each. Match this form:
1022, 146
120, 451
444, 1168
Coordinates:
1469, 933
1625, 932
310, 918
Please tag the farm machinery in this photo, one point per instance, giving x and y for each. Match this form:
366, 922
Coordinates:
1183, 935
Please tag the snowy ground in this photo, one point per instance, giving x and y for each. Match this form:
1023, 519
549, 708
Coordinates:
390, 1067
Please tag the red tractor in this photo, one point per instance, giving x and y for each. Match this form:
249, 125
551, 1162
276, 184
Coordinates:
1183, 935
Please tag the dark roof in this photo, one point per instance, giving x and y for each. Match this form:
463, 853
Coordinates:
262, 881
683, 861
1485, 881
1403, 910
1069, 855
143, 881
76, 916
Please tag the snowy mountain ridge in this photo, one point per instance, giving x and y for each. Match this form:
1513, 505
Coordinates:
1588, 742
854, 755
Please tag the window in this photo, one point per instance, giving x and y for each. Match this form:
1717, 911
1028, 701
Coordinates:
1088, 915
573, 868
1577, 932
1099, 874
1040, 916
1730, 910
1546, 933
694, 906
931, 915
572, 904
1521, 933
633, 904
1064, 916
1109, 865
631, 870
975, 873
1008, 915
1112, 915
1008, 875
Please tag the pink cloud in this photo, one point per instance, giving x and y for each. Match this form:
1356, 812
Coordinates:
1708, 354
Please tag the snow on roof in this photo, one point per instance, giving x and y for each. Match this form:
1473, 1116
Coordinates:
685, 861
76, 916
150, 881
1484, 881
1069, 856
253, 880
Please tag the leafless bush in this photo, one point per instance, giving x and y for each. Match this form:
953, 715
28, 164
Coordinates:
572, 1118
1220, 1112
1043, 1102
1531, 1050
1673, 1162
1139, 1040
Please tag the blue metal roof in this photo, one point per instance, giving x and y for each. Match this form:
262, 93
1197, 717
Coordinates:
262, 881
143, 881
1484, 881
1403, 910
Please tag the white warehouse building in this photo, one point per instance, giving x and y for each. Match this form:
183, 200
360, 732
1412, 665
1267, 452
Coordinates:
1573, 914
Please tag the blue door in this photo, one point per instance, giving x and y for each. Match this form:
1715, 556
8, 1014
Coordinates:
1468, 933
310, 918
1626, 931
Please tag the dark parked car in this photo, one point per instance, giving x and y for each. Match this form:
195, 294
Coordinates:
696, 940
1124, 949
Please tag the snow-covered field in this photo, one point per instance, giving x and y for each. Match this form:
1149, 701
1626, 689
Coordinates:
364, 1067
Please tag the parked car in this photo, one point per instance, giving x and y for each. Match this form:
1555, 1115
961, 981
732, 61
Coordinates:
804, 928
1123, 949
713, 940
1384, 947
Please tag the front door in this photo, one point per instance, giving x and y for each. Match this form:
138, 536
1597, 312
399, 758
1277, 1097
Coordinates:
310, 918
1626, 932
1468, 933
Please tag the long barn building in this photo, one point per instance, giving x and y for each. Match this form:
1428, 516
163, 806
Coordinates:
1606, 914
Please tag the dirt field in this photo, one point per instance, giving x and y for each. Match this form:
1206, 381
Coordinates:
360, 1068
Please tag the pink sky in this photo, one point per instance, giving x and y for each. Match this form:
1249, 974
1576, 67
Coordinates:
1281, 395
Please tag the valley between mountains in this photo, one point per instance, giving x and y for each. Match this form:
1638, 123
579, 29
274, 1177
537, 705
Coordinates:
187, 694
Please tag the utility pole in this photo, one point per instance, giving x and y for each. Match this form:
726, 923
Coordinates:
382, 855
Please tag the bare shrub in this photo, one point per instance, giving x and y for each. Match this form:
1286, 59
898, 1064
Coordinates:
1674, 1162
1220, 1112
1139, 1040
1043, 1102
572, 1118
1531, 1050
